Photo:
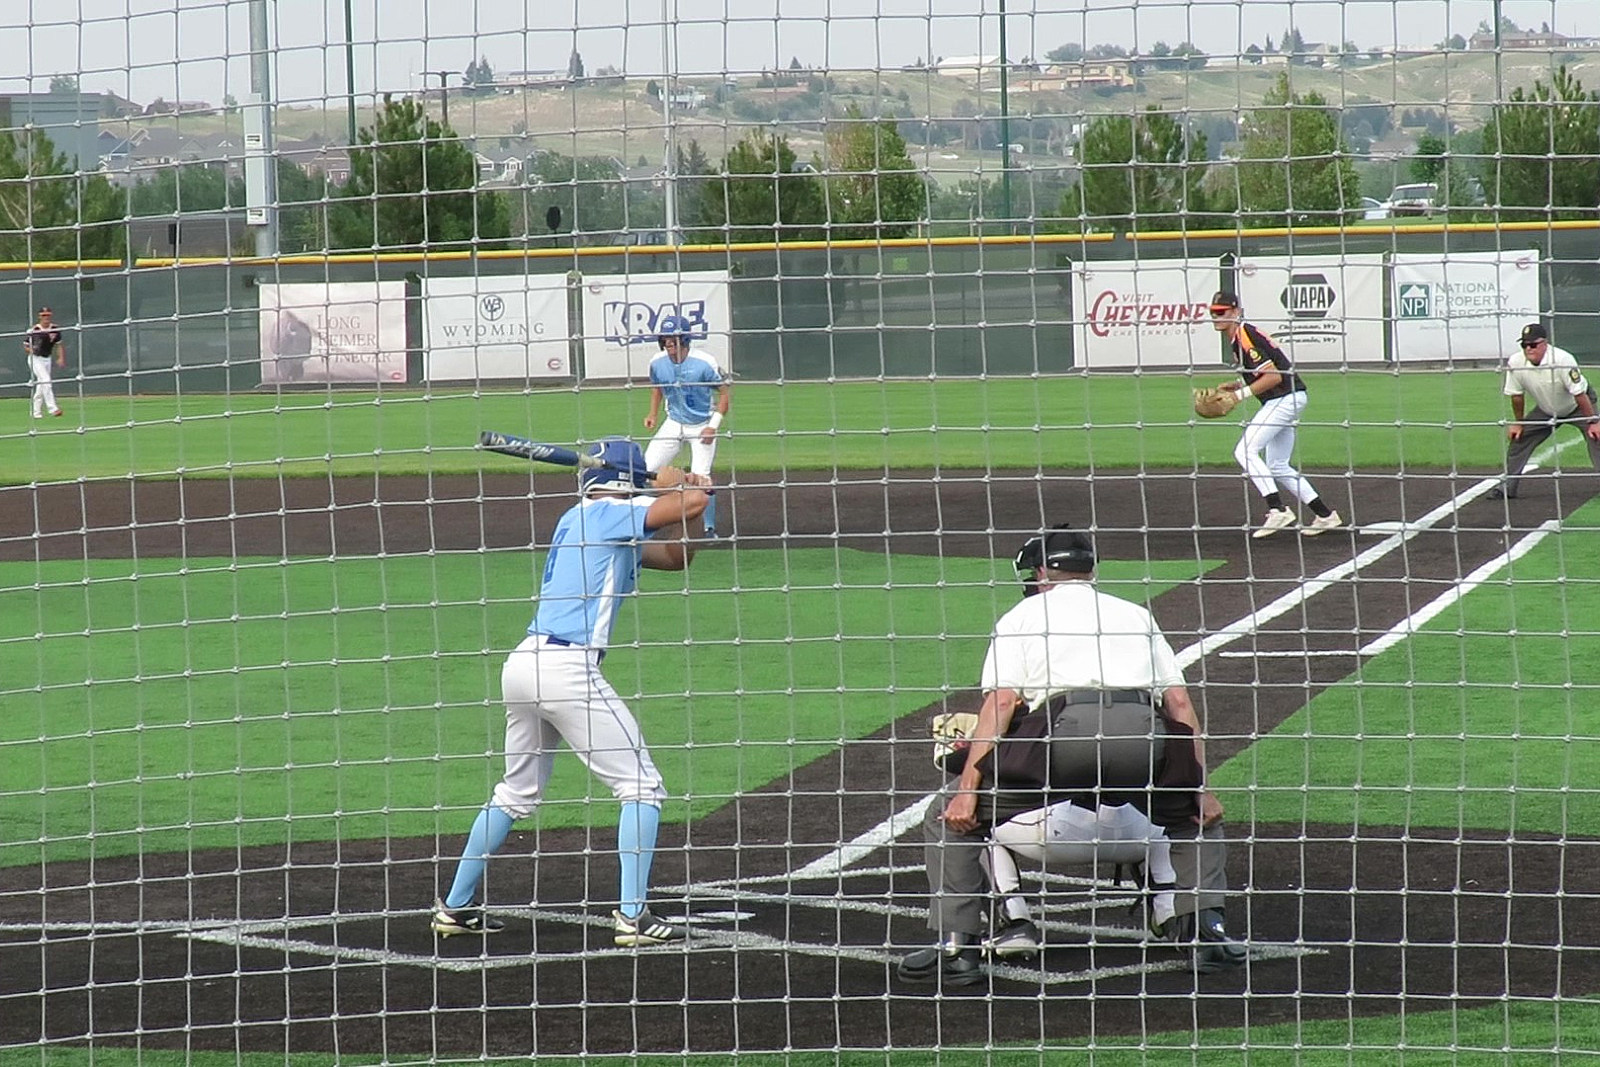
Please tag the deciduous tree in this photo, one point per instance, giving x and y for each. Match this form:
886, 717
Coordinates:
1295, 165
49, 212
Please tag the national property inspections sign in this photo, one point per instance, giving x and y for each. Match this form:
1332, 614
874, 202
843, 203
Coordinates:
1463, 305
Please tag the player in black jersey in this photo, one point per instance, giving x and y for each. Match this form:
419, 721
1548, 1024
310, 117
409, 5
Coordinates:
1268, 441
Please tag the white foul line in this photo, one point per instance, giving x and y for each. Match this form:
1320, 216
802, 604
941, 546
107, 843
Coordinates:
861, 847
1420, 618
890, 829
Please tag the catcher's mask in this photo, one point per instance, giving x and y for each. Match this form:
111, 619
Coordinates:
1059, 549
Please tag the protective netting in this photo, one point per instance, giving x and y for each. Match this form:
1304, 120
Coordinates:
945, 276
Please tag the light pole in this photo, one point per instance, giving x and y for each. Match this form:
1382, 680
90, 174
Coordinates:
350, 72
1005, 122
265, 157
444, 92
669, 147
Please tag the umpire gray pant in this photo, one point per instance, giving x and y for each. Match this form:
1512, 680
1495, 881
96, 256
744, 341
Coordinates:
1537, 426
958, 886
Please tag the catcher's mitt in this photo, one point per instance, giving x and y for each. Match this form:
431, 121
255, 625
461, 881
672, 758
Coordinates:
1213, 403
952, 733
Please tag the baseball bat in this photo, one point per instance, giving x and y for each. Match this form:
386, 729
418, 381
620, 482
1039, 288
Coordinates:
511, 445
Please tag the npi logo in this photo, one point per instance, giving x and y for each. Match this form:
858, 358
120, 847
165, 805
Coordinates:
1308, 296
1415, 301
491, 307
633, 322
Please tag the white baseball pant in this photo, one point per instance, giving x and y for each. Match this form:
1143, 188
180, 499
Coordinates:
1267, 444
1064, 834
669, 440
44, 393
556, 693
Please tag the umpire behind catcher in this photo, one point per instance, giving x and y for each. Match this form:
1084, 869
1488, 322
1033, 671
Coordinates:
1094, 675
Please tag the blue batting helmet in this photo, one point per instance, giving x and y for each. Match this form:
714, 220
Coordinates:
674, 326
623, 470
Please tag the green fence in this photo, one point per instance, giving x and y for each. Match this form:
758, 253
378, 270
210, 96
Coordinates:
998, 306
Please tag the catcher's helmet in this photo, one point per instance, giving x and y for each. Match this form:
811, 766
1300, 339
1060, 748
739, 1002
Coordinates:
1059, 549
624, 470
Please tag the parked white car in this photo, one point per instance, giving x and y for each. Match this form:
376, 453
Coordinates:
1373, 209
1419, 199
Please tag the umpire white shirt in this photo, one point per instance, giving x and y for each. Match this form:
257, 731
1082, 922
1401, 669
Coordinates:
1072, 636
1554, 384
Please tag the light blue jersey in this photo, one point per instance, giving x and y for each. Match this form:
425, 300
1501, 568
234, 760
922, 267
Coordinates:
690, 387
593, 563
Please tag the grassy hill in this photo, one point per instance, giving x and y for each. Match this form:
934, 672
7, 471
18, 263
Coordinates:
618, 118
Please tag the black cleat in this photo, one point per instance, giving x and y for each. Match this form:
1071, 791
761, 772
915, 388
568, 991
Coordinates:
447, 922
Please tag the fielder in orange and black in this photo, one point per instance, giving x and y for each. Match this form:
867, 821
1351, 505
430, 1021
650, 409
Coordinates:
1268, 442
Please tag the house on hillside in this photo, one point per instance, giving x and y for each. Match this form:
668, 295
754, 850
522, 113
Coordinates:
317, 157
966, 66
1091, 74
531, 79
500, 166
1529, 40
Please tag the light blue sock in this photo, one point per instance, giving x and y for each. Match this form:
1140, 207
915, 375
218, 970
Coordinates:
489, 832
636, 848
710, 515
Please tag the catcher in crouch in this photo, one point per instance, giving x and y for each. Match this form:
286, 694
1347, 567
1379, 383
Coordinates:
1268, 441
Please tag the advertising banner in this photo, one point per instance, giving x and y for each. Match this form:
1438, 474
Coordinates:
1147, 313
495, 328
1463, 305
620, 313
1320, 309
333, 332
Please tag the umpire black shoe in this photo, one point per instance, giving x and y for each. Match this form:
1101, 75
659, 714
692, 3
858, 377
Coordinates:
950, 964
1496, 493
1207, 935
447, 922
1215, 950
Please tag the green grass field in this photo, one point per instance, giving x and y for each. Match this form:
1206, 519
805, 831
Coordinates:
1515, 1034
176, 705
1384, 420
167, 704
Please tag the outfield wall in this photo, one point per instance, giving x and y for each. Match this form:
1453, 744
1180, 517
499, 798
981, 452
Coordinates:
951, 307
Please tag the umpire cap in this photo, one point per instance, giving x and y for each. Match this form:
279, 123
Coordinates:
1058, 549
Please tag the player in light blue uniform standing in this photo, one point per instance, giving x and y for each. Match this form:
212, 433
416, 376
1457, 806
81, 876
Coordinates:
697, 396
554, 691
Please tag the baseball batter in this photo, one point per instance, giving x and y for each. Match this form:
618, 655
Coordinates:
1561, 395
696, 393
554, 691
43, 340
1268, 441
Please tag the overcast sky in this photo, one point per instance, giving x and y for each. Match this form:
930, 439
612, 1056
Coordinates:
199, 49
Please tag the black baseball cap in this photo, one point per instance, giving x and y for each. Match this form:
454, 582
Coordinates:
1533, 332
1224, 298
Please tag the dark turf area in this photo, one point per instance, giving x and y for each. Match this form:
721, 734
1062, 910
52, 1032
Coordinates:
1410, 922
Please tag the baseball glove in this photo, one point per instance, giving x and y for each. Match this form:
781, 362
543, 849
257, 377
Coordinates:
1213, 403
952, 733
